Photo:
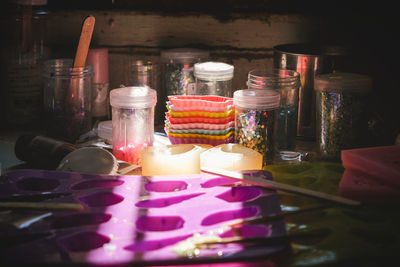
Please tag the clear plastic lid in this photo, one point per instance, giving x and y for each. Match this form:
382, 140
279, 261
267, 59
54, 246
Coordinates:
184, 54
343, 81
104, 130
133, 97
257, 99
213, 71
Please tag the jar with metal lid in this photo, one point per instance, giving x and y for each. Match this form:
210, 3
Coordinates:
341, 112
132, 121
255, 120
213, 78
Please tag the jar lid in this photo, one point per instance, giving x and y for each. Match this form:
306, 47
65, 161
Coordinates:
343, 81
133, 97
257, 99
213, 71
184, 54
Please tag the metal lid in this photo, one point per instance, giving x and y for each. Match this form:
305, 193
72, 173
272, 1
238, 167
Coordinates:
343, 81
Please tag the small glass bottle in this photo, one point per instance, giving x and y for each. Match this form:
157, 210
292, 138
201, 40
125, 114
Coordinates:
287, 83
132, 121
255, 120
213, 78
342, 112
67, 100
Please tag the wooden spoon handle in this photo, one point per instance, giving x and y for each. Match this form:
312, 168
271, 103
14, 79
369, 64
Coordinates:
84, 42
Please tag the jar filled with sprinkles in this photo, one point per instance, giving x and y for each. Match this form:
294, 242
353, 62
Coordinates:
255, 120
341, 112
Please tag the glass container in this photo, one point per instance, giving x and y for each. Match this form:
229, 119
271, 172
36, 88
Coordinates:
213, 78
132, 121
67, 100
255, 120
341, 112
287, 83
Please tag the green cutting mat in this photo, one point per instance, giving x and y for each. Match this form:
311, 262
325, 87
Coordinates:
361, 236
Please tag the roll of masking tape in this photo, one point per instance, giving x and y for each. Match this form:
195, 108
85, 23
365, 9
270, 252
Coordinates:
233, 157
172, 159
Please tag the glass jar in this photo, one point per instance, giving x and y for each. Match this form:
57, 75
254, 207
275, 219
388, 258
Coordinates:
67, 99
287, 83
178, 69
341, 112
23, 54
213, 78
132, 121
255, 120
144, 72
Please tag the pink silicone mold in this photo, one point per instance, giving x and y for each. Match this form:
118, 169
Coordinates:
142, 246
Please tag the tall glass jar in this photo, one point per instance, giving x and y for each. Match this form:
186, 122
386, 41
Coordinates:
22, 62
146, 72
342, 112
255, 120
213, 78
287, 83
132, 121
67, 100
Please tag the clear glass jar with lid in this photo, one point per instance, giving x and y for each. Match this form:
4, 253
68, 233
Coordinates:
341, 112
287, 83
255, 121
178, 69
213, 78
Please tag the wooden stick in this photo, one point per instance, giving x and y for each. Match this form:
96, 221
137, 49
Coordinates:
84, 42
259, 181
42, 205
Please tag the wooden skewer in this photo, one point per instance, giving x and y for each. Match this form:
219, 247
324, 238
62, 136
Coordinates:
259, 181
42, 205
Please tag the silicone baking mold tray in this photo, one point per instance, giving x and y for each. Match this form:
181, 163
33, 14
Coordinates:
140, 220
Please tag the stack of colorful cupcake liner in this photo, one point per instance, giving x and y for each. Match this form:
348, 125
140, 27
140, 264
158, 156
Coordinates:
199, 119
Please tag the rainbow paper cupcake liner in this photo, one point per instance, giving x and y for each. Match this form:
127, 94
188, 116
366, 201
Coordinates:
213, 142
200, 102
205, 126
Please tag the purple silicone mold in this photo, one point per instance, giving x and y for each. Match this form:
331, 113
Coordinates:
159, 223
101, 199
80, 219
100, 183
228, 215
165, 202
83, 241
241, 194
165, 186
37, 184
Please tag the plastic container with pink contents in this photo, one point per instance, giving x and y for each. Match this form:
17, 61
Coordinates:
140, 221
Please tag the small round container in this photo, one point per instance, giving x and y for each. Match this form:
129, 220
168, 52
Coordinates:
213, 78
178, 69
287, 83
341, 112
255, 120
132, 121
67, 100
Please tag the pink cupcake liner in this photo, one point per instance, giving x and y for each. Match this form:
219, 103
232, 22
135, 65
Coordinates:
178, 140
200, 101
205, 126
